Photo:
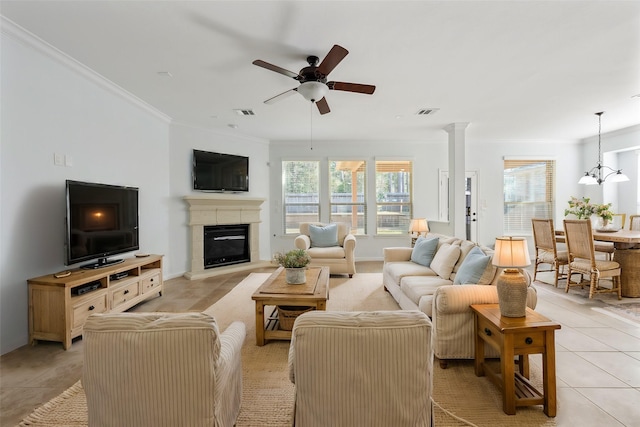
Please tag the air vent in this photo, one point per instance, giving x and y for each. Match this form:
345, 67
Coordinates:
242, 112
427, 111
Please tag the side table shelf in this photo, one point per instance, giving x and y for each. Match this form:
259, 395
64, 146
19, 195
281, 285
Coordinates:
58, 307
517, 336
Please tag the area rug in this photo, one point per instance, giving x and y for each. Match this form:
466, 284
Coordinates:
268, 395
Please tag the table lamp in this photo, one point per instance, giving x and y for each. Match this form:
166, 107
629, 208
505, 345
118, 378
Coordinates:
511, 253
418, 227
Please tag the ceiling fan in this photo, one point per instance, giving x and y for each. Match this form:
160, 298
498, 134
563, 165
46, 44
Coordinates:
313, 79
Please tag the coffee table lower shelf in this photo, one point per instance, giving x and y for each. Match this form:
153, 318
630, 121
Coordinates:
272, 329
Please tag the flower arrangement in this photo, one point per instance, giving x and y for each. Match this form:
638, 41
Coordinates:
603, 212
582, 209
295, 258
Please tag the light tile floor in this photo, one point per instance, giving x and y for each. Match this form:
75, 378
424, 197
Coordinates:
597, 359
597, 355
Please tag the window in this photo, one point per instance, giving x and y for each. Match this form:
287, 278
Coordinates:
348, 194
301, 187
528, 193
393, 196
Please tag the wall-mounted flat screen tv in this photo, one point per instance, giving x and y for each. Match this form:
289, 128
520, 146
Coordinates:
220, 172
102, 220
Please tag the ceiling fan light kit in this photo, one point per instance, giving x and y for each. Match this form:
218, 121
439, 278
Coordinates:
313, 79
595, 175
313, 91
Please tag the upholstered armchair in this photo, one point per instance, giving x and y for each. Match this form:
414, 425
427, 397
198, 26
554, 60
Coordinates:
362, 368
161, 369
331, 245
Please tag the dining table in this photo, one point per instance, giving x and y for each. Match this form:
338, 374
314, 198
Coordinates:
627, 254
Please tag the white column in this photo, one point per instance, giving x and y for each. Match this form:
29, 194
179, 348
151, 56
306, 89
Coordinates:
457, 175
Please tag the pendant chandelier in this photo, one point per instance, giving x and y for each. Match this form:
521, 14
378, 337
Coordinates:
599, 173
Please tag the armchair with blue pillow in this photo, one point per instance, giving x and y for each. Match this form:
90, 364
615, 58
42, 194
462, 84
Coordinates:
331, 245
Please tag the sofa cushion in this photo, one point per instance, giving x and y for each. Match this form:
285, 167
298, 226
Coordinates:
424, 250
398, 270
445, 259
323, 236
415, 287
473, 267
336, 252
465, 248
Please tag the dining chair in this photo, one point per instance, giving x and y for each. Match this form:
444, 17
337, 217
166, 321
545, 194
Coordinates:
634, 222
546, 249
619, 220
582, 259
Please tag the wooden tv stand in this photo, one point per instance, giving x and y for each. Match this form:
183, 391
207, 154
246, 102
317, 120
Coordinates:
58, 307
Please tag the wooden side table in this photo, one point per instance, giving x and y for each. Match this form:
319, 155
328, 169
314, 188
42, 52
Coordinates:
517, 336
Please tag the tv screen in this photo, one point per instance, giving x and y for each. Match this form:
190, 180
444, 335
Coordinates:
102, 220
220, 172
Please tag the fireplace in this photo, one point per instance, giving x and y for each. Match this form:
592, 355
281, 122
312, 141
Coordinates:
224, 210
226, 245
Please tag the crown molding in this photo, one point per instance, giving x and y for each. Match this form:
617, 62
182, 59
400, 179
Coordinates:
12, 30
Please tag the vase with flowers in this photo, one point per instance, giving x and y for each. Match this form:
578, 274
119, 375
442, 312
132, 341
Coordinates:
604, 214
295, 262
582, 209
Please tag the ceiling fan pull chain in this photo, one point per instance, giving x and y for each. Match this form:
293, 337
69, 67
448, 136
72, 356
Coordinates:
311, 122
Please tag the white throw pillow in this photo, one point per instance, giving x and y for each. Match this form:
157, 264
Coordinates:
445, 259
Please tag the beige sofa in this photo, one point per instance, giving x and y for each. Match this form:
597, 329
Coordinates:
362, 368
417, 287
339, 258
161, 369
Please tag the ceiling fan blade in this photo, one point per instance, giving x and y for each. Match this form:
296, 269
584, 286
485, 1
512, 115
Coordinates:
281, 96
261, 63
333, 58
352, 87
323, 106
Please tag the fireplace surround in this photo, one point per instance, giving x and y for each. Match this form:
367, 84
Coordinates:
222, 209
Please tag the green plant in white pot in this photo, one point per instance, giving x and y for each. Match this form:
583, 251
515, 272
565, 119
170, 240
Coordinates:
295, 262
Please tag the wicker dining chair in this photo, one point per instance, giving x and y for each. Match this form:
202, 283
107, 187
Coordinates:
582, 259
634, 222
546, 249
619, 220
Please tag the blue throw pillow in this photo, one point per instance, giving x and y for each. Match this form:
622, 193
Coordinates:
472, 267
424, 250
323, 236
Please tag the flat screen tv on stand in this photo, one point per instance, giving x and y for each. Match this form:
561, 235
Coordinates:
101, 221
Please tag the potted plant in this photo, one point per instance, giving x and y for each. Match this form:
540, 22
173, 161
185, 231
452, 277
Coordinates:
295, 262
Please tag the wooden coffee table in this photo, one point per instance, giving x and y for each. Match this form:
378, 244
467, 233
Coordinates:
274, 292
517, 336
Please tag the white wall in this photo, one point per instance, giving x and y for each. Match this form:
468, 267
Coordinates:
51, 105
183, 140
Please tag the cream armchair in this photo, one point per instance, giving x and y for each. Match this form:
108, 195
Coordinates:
161, 369
339, 258
362, 369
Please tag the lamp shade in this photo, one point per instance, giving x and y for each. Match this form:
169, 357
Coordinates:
511, 252
419, 226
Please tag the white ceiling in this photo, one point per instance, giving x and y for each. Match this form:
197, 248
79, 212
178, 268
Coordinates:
515, 70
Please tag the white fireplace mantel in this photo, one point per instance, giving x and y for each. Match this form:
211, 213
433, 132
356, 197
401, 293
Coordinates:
222, 209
